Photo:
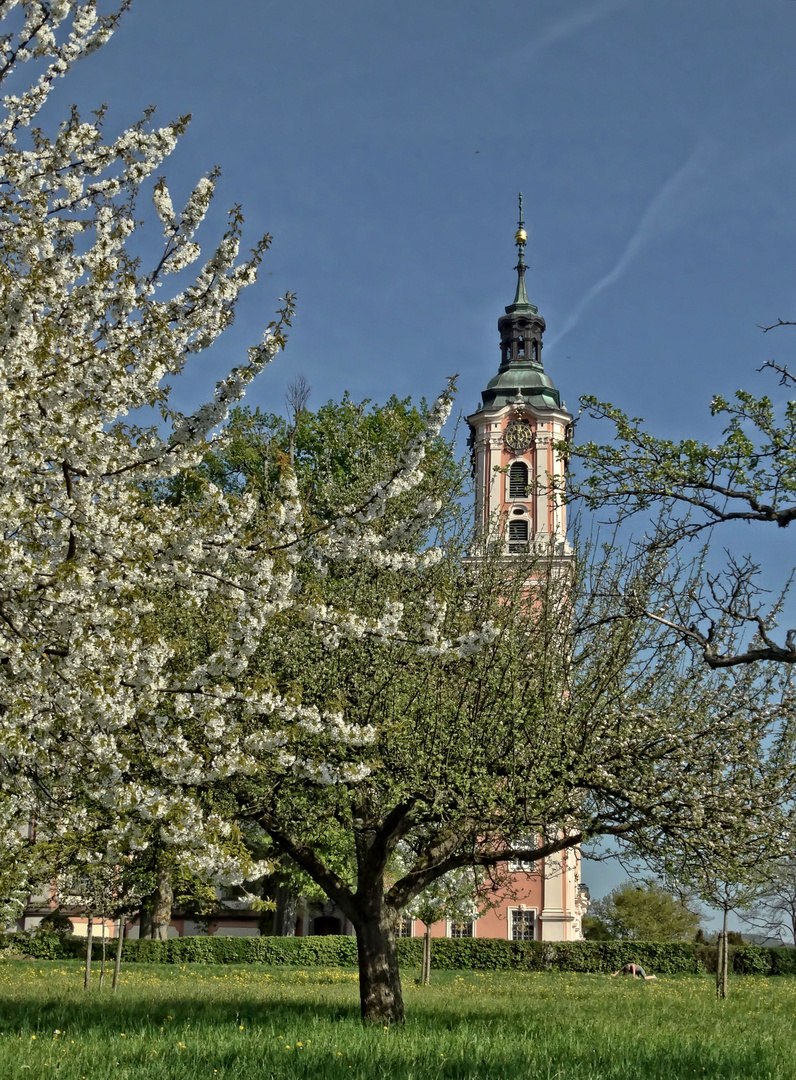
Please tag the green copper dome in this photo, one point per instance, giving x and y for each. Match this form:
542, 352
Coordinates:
528, 380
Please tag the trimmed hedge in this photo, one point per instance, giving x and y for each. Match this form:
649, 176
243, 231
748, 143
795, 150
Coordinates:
449, 954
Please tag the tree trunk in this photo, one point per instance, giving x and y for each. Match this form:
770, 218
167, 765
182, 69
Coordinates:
285, 914
117, 966
145, 924
163, 900
89, 937
722, 951
380, 996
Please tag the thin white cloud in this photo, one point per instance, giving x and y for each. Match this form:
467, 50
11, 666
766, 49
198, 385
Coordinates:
569, 26
666, 209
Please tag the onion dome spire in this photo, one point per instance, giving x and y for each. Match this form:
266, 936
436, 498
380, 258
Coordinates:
521, 372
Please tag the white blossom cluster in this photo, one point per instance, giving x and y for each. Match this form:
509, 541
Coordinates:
464, 645
94, 716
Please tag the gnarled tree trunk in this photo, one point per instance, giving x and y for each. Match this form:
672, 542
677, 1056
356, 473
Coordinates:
380, 995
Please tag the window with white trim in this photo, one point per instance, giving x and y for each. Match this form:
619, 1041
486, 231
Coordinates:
518, 537
461, 928
522, 924
405, 927
523, 866
518, 480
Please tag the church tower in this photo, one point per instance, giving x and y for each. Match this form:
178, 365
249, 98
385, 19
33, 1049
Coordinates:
513, 435
519, 476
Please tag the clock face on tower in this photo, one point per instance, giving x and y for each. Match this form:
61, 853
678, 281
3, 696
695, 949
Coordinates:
519, 435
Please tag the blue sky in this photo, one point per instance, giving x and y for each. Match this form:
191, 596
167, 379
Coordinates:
383, 145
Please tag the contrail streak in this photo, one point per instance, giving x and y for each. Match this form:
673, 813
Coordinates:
657, 218
565, 28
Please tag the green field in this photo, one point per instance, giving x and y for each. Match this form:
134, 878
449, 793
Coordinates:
192, 1022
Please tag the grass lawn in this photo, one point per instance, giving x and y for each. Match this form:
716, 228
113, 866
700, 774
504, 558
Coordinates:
194, 1022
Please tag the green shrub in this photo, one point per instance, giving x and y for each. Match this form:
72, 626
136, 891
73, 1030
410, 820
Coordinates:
42, 946
448, 954
783, 961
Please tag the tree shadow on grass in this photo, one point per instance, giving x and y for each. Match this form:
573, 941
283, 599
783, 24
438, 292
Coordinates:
104, 1011
487, 1046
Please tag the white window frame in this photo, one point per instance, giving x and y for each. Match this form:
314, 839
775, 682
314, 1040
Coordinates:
525, 910
472, 921
410, 924
520, 866
525, 487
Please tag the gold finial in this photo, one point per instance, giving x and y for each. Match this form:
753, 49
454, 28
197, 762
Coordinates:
521, 236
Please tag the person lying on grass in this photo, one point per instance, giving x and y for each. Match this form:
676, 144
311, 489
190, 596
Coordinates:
636, 970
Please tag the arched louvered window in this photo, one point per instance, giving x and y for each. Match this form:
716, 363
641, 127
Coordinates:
518, 480
518, 537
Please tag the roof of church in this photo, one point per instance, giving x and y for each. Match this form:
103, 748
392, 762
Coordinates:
521, 375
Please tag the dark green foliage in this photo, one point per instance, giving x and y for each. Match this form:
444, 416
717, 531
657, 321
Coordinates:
339, 452
595, 929
43, 946
459, 954
783, 961
275, 951
747, 960
56, 923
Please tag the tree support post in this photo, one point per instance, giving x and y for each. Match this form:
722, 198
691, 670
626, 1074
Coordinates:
89, 941
119, 943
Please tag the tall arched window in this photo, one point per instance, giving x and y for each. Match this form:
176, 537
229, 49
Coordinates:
518, 480
521, 347
518, 537
535, 351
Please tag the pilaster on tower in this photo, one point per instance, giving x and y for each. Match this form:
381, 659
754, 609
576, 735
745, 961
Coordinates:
514, 433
